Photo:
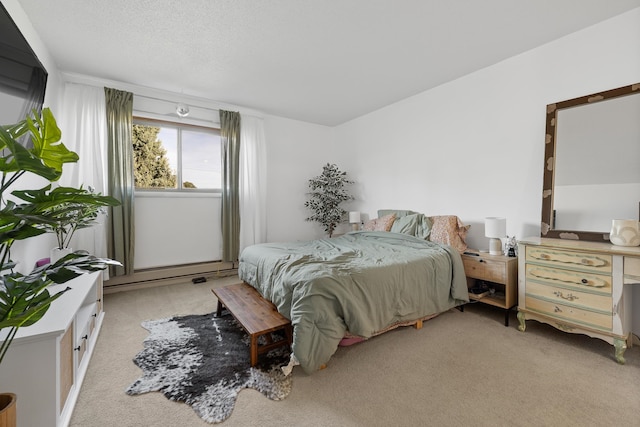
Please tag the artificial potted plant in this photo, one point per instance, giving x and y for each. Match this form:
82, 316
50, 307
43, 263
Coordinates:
25, 298
327, 193
67, 210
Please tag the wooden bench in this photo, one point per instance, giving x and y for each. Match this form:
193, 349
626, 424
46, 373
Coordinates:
257, 316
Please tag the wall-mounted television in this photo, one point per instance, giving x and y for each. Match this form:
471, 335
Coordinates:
23, 79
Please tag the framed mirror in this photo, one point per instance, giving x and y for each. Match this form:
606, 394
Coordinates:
591, 164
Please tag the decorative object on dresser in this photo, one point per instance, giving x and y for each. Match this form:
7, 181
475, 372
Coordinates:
625, 232
495, 276
495, 228
203, 361
579, 287
591, 164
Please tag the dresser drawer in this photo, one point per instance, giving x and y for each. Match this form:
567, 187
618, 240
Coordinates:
599, 263
578, 280
561, 295
572, 314
483, 269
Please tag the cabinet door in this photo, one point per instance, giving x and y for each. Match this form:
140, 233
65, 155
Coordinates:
66, 365
99, 292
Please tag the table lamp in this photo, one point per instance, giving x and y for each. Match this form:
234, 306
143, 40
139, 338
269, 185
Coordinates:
495, 228
354, 219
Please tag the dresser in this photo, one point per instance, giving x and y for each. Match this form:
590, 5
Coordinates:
578, 287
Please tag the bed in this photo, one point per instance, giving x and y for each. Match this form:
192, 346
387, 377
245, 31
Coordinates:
359, 284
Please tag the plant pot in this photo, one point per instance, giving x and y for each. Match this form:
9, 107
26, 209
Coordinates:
57, 253
7, 410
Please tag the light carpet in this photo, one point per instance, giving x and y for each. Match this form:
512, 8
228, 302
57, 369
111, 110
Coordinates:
461, 368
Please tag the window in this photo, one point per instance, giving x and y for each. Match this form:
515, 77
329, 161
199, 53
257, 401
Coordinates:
173, 156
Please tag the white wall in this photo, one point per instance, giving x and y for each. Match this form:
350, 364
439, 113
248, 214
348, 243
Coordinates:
474, 147
296, 152
175, 230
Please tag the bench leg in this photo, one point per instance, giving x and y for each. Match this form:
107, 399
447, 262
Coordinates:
219, 310
254, 350
288, 330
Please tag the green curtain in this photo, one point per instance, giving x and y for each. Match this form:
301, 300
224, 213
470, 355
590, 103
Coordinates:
120, 234
230, 138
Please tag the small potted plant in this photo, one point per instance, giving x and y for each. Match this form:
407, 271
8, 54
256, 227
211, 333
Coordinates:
67, 210
25, 298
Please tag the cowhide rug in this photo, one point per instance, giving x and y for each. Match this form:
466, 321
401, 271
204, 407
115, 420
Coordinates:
203, 361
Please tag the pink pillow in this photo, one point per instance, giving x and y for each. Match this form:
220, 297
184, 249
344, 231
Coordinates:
449, 230
380, 224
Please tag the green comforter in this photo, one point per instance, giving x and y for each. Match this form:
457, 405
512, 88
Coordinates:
361, 282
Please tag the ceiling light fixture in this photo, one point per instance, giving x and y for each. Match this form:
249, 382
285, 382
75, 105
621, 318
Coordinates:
182, 110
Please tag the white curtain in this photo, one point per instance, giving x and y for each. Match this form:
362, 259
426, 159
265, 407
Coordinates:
83, 122
253, 181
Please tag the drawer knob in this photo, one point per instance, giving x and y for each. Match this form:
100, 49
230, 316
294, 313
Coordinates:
84, 337
584, 281
586, 261
77, 348
557, 309
544, 256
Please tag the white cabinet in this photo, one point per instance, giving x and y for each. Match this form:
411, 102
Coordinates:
47, 361
578, 287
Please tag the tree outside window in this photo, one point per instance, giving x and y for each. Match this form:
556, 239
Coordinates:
169, 156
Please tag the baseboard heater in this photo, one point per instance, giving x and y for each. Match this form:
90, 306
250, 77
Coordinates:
170, 275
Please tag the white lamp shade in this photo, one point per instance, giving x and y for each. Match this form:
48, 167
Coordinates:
495, 227
354, 217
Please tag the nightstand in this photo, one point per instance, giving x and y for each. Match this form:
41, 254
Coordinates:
495, 276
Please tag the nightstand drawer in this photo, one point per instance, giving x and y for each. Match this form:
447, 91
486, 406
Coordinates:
483, 269
578, 280
599, 263
561, 295
572, 314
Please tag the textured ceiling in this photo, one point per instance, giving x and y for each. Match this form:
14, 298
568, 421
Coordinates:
320, 61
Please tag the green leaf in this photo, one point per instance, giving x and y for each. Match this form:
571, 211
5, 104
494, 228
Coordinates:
20, 159
24, 300
46, 135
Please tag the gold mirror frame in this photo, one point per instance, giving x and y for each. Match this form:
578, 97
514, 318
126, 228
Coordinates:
546, 229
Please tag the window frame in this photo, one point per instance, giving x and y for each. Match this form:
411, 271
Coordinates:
145, 121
